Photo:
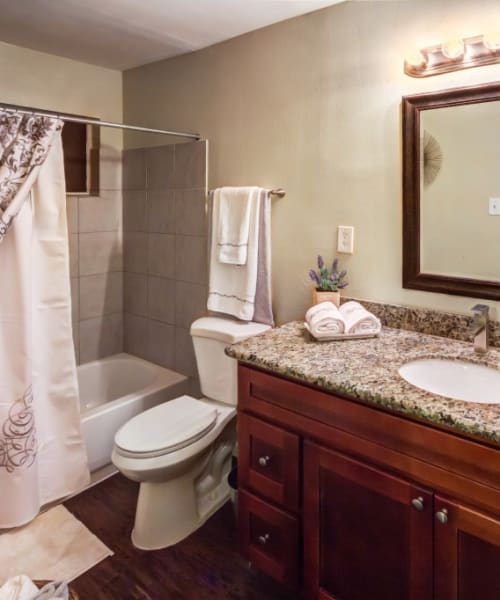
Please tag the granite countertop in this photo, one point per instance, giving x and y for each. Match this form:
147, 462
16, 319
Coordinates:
368, 370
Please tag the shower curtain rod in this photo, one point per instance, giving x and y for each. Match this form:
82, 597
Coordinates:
24, 111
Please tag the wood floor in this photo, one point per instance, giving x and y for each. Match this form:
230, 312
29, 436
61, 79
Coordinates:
205, 566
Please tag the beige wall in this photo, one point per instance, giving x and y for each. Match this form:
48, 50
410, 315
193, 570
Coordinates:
313, 105
41, 80
95, 239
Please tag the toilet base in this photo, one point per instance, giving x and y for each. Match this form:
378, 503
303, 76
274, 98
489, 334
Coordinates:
167, 512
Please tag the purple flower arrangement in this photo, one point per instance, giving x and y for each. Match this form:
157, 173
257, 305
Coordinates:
328, 281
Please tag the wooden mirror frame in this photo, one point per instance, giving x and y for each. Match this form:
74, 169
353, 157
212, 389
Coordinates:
413, 278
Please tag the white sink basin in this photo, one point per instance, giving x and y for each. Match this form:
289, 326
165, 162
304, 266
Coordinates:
454, 379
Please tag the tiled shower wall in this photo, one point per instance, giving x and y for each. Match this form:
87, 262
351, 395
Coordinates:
96, 266
165, 251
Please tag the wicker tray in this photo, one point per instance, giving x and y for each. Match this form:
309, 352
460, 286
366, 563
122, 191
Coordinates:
341, 336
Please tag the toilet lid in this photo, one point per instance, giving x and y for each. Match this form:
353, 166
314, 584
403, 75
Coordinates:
167, 427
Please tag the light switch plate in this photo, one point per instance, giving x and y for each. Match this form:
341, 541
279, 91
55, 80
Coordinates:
345, 239
494, 206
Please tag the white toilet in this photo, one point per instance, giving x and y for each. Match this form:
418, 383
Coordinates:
180, 451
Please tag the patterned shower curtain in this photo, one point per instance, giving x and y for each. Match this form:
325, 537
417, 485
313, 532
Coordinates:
42, 457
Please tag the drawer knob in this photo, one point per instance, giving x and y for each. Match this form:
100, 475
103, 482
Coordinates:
418, 503
264, 461
442, 516
263, 539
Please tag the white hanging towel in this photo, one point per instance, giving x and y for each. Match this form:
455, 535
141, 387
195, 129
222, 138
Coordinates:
233, 222
232, 286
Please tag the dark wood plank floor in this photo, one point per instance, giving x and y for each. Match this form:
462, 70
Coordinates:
204, 566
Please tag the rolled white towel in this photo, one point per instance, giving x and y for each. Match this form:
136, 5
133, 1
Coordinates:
324, 319
358, 320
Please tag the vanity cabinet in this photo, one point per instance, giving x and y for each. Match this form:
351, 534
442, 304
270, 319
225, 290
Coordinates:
367, 534
343, 501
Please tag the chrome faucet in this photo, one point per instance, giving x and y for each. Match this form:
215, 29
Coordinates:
479, 327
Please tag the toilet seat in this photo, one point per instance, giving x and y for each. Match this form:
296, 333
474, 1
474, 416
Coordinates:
166, 428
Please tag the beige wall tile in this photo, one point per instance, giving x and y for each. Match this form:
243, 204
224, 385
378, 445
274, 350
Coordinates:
161, 211
101, 295
190, 302
100, 252
135, 293
135, 216
135, 332
100, 213
190, 212
73, 255
134, 169
160, 167
191, 258
75, 298
185, 361
76, 340
161, 299
136, 252
110, 165
190, 165
161, 255
72, 213
161, 344
101, 337
194, 388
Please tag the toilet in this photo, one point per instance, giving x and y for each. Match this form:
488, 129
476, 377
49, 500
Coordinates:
180, 451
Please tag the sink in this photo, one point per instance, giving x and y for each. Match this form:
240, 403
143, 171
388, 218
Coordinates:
454, 379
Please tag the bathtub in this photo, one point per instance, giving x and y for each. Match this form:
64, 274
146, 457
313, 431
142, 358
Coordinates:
115, 389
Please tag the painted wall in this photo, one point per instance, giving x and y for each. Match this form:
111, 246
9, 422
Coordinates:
313, 105
41, 80
44, 81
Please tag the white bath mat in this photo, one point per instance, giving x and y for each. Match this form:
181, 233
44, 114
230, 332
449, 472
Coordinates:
54, 546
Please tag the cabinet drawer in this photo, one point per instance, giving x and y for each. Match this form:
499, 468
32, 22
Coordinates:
269, 538
269, 461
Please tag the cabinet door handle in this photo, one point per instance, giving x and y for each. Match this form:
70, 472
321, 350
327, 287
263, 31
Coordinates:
442, 516
264, 460
418, 503
263, 539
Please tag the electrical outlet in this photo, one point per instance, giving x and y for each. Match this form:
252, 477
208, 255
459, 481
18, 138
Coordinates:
494, 206
345, 239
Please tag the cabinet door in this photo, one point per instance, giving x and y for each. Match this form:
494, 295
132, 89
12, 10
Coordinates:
269, 538
268, 461
467, 553
367, 534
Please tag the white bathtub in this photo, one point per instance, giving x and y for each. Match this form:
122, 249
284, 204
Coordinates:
112, 391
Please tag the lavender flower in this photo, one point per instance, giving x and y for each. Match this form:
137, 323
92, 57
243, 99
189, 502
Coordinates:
315, 277
327, 281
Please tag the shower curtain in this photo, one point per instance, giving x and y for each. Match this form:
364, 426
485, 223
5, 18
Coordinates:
42, 456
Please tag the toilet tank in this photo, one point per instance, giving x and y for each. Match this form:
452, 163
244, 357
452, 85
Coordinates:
217, 371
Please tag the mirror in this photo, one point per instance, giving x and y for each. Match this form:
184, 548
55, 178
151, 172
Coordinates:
451, 169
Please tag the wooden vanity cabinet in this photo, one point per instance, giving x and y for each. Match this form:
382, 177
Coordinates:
467, 553
368, 534
340, 503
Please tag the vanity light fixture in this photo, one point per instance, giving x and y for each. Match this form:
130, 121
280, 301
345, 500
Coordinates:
453, 55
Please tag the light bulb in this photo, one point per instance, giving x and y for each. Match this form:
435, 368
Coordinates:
492, 40
453, 48
415, 59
